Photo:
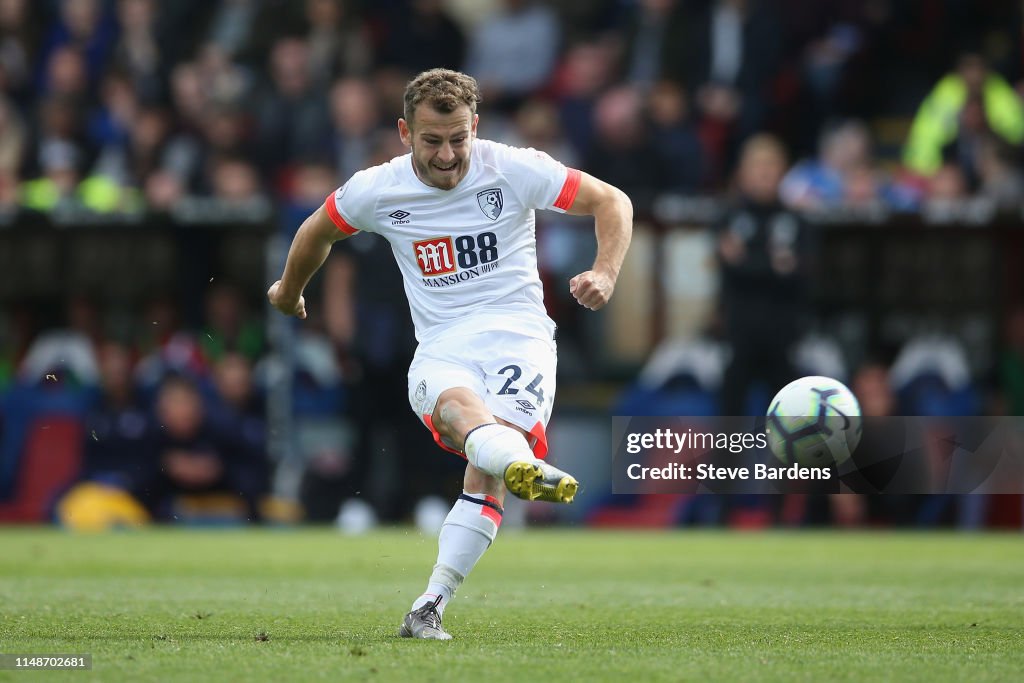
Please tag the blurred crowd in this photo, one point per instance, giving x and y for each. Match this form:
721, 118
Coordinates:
784, 106
124, 104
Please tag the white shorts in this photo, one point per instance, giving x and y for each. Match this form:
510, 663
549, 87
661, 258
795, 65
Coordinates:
514, 375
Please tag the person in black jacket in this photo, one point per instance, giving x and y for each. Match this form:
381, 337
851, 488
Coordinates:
762, 254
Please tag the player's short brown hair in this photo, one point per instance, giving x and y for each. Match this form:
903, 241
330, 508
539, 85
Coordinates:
443, 90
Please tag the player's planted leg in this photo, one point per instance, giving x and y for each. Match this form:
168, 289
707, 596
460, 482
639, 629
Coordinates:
467, 532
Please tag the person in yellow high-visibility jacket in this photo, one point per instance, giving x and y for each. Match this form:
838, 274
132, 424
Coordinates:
937, 122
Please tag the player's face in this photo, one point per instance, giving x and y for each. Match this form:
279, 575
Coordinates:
440, 144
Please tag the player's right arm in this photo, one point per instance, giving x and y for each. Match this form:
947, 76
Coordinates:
308, 252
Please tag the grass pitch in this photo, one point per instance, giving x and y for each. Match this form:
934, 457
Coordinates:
170, 605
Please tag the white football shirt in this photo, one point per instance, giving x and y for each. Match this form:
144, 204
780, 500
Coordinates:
468, 255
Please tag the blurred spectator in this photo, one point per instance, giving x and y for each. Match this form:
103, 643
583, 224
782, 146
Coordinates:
585, 72
67, 352
676, 140
85, 28
163, 189
338, 41
194, 455
232, 376
228, 326
970, 100
111, 119
138, 51
224, 82
823, 182
66, 75
12, 137
355, 116
232, 24
761, 248
421, 36
116, 428
290, 115
226, 131
623, 152
947, 187
236, 182
147, 141
59, 182
734, 49
18, 41
512, 52
655, 43
536, 125
873, 390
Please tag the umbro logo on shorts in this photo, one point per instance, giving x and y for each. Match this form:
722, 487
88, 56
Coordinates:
525, 405
399, 217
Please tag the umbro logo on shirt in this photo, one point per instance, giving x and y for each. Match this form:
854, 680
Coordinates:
399, 217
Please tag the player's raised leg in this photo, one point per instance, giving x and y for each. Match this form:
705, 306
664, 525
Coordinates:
499, 448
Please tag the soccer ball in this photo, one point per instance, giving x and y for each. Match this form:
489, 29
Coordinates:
814, 421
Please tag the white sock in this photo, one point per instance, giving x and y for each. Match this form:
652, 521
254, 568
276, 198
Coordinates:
493, 447
467, 532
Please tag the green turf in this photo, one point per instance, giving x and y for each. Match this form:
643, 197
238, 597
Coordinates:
169, 605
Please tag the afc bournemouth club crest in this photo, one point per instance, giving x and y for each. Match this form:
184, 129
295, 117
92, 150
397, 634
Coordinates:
490, 202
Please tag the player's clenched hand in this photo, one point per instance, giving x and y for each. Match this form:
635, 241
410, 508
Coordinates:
287, 305
592, 289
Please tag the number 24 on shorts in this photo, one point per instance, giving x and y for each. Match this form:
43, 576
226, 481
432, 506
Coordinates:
514, 372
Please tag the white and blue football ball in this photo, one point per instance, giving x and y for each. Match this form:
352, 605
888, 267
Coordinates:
814, 421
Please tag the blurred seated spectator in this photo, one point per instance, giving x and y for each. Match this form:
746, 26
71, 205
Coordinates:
972, 95
193, 455
932, 377
844, 149
69, 352
681, 377
235, 181
177, 354
116, 427
58, 184
820, 354
229, 327
163, 190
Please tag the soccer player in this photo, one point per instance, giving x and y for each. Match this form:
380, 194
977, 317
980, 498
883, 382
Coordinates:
459, 215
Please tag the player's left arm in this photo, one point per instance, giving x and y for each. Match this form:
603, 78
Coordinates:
613, 224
